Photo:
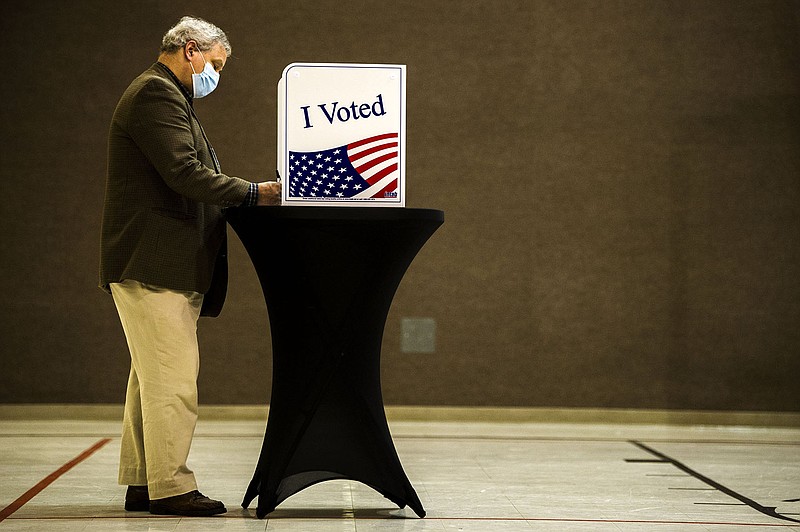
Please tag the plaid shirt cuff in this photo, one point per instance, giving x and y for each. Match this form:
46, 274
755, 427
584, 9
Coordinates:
252, 196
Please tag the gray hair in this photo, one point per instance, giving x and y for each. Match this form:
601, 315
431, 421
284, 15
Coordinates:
195, 29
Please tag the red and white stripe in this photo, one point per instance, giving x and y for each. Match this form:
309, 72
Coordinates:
376, 160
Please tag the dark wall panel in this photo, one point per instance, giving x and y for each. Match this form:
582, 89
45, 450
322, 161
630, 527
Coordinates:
620, 181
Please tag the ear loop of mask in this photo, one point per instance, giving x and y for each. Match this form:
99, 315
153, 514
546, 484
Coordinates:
202, 57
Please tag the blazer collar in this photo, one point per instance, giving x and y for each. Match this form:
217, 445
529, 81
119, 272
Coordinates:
177, 82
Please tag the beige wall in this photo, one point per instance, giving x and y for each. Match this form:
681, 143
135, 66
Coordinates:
620, 181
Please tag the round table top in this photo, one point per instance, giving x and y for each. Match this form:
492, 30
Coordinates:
337, 213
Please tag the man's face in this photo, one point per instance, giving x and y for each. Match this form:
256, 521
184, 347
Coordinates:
217, 56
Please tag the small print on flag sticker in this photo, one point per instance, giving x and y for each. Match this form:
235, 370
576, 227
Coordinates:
341, 134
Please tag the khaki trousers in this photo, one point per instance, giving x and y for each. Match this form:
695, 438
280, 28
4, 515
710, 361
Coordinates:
161, 402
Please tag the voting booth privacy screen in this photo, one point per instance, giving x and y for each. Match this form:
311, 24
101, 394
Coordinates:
342, 134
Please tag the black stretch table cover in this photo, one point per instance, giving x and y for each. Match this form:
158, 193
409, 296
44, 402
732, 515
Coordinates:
329, 275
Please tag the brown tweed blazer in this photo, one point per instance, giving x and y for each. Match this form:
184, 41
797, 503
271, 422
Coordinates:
162, 219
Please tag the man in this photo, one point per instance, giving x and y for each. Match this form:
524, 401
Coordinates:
163, 258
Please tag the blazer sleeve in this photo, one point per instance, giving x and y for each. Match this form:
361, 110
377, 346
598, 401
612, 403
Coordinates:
161, 125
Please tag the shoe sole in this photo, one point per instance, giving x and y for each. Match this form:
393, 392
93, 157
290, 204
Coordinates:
156, 510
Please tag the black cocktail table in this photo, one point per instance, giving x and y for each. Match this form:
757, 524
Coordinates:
329, 275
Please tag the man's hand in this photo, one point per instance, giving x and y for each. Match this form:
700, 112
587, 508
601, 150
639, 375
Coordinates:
269, 193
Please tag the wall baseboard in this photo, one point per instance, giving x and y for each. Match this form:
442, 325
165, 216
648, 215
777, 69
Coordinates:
111, 412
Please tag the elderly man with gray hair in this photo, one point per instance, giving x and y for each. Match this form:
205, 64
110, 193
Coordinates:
163, 259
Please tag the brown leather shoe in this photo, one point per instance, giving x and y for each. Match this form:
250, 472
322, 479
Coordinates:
192, 504
137, 499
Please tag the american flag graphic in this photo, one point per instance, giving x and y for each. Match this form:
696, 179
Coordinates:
363, 169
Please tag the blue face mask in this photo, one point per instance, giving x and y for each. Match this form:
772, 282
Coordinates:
206, 81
